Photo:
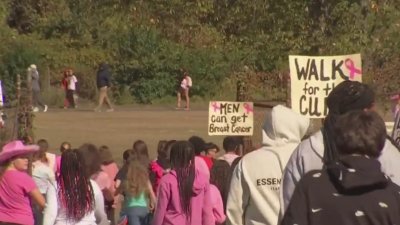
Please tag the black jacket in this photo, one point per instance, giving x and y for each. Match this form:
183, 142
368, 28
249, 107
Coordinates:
103, 76
350, 191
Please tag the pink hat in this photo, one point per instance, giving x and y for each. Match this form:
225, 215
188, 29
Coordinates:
15, 148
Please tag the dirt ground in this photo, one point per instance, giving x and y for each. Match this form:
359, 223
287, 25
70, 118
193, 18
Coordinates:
119, 129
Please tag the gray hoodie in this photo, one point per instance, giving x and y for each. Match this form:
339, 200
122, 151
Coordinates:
308, 156
253, 197
35, 80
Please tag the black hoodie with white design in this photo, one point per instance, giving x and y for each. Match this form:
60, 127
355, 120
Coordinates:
348, 192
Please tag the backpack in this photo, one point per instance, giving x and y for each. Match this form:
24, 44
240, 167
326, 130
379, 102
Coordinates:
189, 81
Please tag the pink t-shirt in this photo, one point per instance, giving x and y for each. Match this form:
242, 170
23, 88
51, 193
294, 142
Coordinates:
111, 170
102, 180
15, 206
229, 157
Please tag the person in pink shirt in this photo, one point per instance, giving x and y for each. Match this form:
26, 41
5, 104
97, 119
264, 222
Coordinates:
17, 188
232, 145
111, 169
183, 195
200, 165
220, 178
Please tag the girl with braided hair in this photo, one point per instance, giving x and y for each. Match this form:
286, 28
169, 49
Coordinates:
183, 195
75, 199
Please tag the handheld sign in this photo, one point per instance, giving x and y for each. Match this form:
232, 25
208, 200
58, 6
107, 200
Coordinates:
230, 118
396, 130
1, 95
312, 78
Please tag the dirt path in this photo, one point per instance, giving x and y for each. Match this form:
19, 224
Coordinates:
121, 128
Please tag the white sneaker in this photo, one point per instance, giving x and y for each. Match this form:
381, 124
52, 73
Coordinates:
35, 109
45, 108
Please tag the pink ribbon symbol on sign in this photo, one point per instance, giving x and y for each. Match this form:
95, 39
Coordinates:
351, 67
215, 106
248, 108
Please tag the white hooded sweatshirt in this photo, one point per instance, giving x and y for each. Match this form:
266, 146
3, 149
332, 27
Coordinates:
253, 198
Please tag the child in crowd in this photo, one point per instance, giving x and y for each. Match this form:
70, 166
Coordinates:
140, 148
64, 146
200, 165
139, 196
352, 189
128, 156
91, 155
43, 176
219, 184
161, 165
231, 146
183, 196
211, 150
111, 169
51, 158
75, 199
17, 188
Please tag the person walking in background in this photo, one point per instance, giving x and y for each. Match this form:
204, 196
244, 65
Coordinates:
183, 196
36, 96
183, 90
71, 88
75, 199
17, 188
103, 84
254, 189
351, 189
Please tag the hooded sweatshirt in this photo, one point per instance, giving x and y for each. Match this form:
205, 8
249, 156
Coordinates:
309, 156
253, 198
351, 191
169, 210
103, 76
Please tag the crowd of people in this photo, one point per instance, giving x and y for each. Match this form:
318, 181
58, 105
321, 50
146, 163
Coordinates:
346, 173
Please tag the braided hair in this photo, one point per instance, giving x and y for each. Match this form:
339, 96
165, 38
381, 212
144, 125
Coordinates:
347, 96
75, 192
182, 161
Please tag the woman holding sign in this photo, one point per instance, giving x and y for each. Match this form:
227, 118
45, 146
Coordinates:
183, 89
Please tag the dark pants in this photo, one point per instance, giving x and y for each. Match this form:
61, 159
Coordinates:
37, 98
70, 98
137, 215
38, 213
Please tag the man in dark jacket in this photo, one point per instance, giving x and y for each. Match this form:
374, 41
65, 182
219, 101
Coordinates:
103, 83
352, 189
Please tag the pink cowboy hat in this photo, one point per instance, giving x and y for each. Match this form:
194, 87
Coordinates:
16, 148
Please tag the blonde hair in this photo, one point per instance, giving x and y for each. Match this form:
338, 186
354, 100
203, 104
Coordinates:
137, 180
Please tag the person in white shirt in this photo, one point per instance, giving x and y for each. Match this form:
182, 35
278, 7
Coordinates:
253, 197
71, 88
74, 199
